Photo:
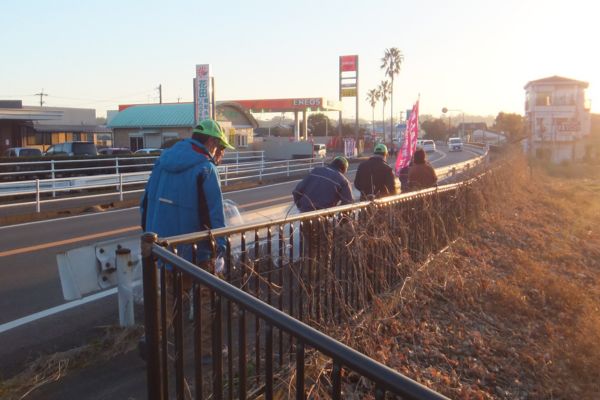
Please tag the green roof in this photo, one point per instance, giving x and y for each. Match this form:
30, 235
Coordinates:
155, 115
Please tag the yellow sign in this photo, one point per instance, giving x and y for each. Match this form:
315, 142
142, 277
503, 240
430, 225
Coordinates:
348, 92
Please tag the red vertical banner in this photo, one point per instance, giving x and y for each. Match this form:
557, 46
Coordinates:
410, 140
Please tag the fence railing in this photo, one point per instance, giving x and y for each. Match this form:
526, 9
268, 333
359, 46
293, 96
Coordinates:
36, 192
319, 269
102, 166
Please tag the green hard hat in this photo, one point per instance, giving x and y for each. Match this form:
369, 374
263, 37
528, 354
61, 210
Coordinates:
212, 128
380, 148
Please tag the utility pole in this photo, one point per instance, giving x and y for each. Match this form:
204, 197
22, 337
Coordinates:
159, 88
41, 94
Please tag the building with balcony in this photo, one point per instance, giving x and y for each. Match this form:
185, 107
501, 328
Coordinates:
558, 117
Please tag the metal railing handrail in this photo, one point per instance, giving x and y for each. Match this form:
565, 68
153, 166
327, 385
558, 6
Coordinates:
384, 377
109, 162
193, 237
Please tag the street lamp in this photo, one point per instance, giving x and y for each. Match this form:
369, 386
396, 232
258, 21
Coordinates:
446, 110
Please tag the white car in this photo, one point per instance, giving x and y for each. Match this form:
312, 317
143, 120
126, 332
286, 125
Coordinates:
455, 144
149, 151
428, 145
319, 151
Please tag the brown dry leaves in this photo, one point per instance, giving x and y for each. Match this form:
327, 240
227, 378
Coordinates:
511, 310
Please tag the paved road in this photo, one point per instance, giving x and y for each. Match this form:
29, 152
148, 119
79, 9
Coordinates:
29, 281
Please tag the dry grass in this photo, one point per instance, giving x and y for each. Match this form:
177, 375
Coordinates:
53, 367
511, 310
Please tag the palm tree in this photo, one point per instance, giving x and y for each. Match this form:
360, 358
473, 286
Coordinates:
391, 62
384, 91
373, 98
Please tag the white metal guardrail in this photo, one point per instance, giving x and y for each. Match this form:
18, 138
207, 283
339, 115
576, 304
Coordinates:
53, 168
38, 191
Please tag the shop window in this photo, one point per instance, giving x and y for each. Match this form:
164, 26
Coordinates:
136, 143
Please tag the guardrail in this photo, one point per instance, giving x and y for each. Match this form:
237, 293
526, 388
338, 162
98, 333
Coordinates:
46, 190
281, 277
53, 168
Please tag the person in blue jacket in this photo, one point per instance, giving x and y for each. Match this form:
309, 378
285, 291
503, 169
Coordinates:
324, 187
183, 194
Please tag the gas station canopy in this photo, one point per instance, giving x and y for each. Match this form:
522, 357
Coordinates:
290, 105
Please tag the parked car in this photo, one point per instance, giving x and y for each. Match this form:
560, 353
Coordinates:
455, 144
22, 152
319, 151
114, 151
428, 145
149, 151
73, 149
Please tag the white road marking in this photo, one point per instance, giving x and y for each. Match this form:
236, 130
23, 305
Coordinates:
55, 310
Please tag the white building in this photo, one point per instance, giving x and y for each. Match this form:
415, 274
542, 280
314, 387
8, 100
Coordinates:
558, 115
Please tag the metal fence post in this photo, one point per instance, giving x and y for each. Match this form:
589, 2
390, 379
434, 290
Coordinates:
117, 165
288, 167
37, 195
226, 174
121, 187
151, 318
125, 279
52, 174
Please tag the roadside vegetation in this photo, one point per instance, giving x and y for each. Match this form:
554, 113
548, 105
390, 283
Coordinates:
511, 310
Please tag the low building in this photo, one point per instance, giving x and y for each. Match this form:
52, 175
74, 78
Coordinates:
151, 125
558, 117
41, 127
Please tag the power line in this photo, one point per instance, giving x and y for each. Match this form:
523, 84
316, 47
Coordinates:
41, 94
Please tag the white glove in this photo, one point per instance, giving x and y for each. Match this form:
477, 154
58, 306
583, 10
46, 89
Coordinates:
219, 265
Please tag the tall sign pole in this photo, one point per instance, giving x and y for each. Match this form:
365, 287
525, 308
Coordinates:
340, 99
349, 84
356, 98
202, 93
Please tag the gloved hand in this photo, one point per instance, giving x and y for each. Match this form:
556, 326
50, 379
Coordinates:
220, 265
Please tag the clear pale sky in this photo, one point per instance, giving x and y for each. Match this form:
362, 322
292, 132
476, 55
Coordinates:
475, 56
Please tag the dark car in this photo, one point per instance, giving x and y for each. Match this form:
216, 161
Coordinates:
73, 149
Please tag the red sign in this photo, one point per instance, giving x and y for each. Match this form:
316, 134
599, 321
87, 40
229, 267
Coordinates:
348, 63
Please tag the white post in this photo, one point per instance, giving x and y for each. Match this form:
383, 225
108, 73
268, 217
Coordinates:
125, 279
121, 187
288, 167
117, 166
37, 195
53, 176
226, 173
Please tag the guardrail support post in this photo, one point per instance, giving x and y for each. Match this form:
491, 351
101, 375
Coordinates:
125, 279
226, 174
151, 318
288, 167
117, 165
52, 174
37, 195
121, 187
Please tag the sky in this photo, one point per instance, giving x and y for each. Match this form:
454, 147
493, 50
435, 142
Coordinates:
471, 56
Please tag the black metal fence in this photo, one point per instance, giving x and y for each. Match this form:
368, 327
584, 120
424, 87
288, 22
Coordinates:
258, 328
